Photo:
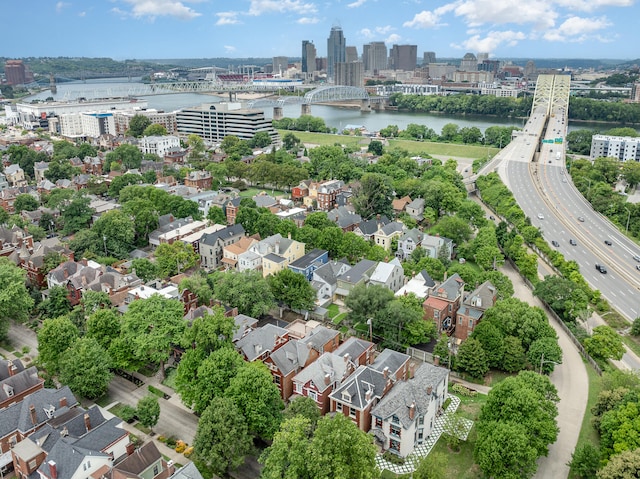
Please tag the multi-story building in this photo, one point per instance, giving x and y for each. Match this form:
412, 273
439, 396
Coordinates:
326, 194
351, 54
428, 57
310, 262
157, 117
280, 65
441, 71
442, 305
403, 57
200, 179
211, 245
374, 57
158, 145
473, 308
336, 50
17, 73
624, 148
308, 57
469, 63
349, 74
404, 417
473, 77
213, 122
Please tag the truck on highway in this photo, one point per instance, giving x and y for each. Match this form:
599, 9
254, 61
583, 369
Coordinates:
558, 155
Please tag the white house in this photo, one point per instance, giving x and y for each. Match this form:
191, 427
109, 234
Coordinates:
158, 145
389, 275
404, 418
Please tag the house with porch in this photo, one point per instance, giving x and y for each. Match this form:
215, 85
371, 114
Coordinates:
385, 234
408, 242
325, 280
360, 273
472, 309
311, 261
442, 305
388, 275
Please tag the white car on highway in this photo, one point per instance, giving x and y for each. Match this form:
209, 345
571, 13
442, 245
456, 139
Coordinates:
540, 216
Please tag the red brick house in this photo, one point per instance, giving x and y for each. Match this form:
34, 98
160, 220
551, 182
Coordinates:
472, 309
16, 382
442, 305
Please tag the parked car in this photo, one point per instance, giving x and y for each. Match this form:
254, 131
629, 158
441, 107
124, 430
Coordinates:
601, 268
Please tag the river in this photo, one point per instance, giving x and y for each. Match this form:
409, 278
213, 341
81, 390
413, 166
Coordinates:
334, 117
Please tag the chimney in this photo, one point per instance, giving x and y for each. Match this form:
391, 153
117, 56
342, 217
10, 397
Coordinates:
346, 357
412, 369
171, 468
11, 367
87, 422
429, 390
53, 470
63, 401
445, 277
130, 448
385, 372
368, 395
258, 349
327, 379
412, 411
289, 235
277, 247
32, 414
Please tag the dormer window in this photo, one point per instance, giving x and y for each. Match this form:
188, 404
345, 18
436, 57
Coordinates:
346, 396
49, 411
8, 390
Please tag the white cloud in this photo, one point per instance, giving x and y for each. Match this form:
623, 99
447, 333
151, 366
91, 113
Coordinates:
393, 38
227, 18
539, 13
308, 20
384, 30
365, 32
590, 5
491, 41
61, 5
82, 14
229, 48
357, 3
578, 29
159, 8
260, 7
424, 19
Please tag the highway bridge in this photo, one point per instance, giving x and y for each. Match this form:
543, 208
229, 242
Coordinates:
533, 167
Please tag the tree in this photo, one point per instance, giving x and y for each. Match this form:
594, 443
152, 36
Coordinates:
154, 129
125, 155
635, 327
25, 202
248, 291
503, 450
198, 284
622, 466
544, 353
491, 340
454, 228
60, 169
605, 343
292, 289
303, 406
472, 358
116, 229
585, 460
514, 355
373, 196
138, 124
449, 132
151, 327
222, 439
211, 331
375, 147
199, 380
15, 301
148, 410
252, 389
290, 141
216, 215
103, 326
433, 466
287, 457
4, 216
76, 214
85, 368
196, 146
340, 449
57, 303
174, 258
145, 269
54, 337
93, 301
260, 140
501, 281
364, 302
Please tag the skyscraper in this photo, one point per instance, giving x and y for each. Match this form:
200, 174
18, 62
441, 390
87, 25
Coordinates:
336, 46
350, 74
429, 57
308, 57
14, 71
351, 54
403, 57
280, 65
374, 56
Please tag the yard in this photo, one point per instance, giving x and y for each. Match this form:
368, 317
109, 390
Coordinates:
443, 149
324, 139
251, 192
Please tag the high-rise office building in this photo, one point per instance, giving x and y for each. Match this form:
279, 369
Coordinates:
482, 57
351, 54
374, 56
321, 64
280, 65
469, 63
403, 57
15, 72
308, 57
350, 74
429, 57
336, 50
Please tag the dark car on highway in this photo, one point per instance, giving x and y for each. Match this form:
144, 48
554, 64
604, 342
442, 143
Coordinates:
555, 243
608, 242
601, 268
572, 242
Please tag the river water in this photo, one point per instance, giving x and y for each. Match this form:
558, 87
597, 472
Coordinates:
334, 117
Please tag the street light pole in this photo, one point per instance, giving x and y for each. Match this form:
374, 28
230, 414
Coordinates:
628, 218
370, 323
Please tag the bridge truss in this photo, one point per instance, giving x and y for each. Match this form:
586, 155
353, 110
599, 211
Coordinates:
325, 94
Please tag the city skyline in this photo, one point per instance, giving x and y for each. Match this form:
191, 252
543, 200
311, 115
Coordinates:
140, 29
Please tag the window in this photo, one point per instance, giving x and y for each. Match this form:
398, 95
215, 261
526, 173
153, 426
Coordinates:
395, 419
394, 445
379, 422
352, 412
155, 470
298, 388
436, 314
313, 395
32, 464
470, 323
450, 308
276, 379
339, 406
395, 430
460, 320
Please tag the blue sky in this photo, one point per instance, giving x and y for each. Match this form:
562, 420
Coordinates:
140, 29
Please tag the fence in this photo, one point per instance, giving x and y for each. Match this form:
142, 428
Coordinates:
423, 356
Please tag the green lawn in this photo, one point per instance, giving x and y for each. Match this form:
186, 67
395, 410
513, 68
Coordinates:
446, 149
324, 139
251, 192
333, 311
587, 432
338, 319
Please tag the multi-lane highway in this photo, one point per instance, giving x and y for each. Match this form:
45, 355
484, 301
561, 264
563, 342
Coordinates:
534, 171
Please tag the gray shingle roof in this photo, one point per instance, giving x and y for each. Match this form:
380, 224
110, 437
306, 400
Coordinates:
391, 359
356, 273
329, 272
229, 232
308, 259
414, 391
450, 288
319, 336
67, 458
393, 227
243, 323
291, 356
187, 472
260, 340
428, 281
354, 389
329, 364
276, 258
354, 347
481, 297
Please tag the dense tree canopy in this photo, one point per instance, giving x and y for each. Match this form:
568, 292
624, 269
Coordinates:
15, 302
85, 368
